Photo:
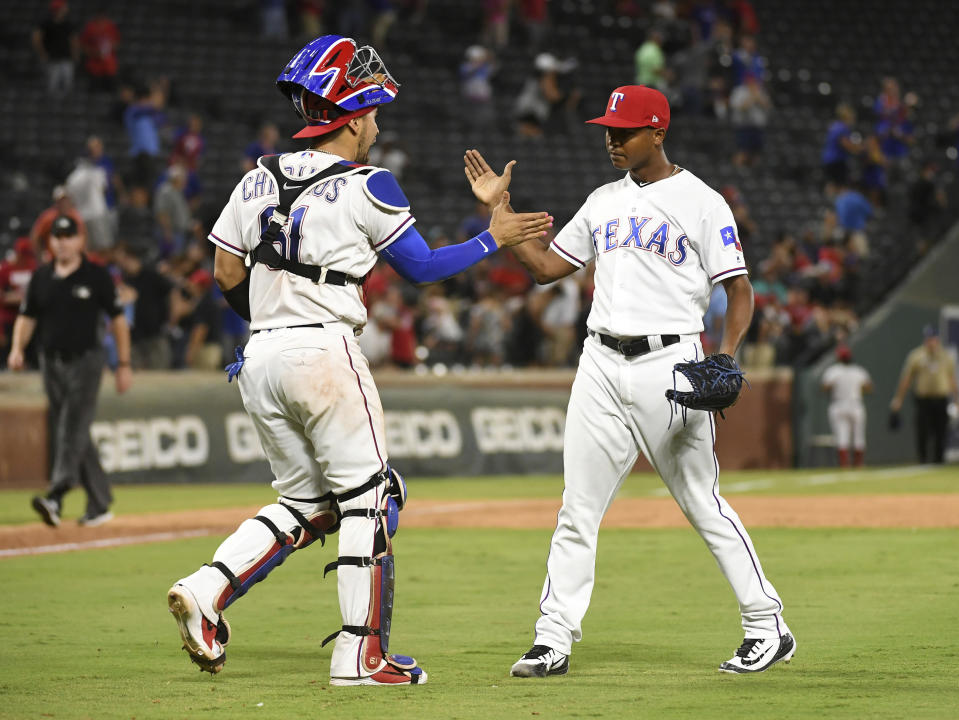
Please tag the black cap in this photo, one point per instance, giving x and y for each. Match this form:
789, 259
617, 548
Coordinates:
930, 330
64, 226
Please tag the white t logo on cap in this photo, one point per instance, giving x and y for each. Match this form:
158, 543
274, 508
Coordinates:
615, 98
655, 119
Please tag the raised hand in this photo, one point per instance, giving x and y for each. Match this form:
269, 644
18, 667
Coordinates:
487, 186
510, 228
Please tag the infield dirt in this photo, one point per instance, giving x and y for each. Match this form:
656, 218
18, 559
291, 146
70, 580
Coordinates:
851, 511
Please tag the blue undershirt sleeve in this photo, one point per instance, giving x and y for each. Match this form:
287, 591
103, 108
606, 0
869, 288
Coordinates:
412, 258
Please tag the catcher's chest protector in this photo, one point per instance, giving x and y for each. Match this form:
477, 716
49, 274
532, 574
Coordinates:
289, 191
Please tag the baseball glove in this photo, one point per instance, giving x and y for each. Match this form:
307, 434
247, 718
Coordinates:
895, 422
716, 381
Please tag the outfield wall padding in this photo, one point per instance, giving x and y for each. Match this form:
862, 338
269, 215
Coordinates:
191, 427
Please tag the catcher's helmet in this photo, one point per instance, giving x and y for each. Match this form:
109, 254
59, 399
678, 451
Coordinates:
331, 81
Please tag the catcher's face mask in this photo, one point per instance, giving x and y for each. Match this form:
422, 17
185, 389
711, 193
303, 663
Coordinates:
331, 81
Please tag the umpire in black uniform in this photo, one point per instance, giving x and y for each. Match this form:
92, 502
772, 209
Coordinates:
63, 303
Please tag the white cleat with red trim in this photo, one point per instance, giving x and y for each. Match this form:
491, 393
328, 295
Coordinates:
395, 670
203, 639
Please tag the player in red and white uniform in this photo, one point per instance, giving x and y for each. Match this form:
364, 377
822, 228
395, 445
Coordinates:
311, 225
846, 383
660, 238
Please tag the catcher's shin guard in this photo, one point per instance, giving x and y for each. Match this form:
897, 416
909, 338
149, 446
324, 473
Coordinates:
255, 548
365, 585
270, 538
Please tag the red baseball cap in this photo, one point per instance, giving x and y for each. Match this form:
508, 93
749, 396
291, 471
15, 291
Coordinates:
635, 106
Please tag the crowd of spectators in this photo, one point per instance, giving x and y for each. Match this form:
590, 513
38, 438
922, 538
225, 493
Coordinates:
706, 58
142, 214
139, 213
807, 286
61, 44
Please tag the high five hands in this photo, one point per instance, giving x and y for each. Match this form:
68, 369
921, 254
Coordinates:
507, 227
487, 186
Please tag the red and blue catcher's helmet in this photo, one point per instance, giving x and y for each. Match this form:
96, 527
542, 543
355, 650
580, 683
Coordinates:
331, 81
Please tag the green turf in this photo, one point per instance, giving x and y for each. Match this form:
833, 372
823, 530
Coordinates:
87, 634
130, 499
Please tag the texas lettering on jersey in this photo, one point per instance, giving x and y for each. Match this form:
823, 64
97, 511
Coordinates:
628, 233
658, 247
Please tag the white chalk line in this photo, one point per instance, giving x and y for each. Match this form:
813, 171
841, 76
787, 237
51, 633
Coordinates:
860, 475
104, 543
829, 478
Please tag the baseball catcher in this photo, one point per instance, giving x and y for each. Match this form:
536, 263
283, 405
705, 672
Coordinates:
294, 243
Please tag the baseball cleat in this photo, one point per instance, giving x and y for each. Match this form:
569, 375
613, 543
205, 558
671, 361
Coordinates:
541, 661
48, 510
396, 670
89, 520
758, 654
203, 640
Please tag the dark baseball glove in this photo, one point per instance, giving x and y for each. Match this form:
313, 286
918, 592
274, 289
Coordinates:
716, 381
895, 422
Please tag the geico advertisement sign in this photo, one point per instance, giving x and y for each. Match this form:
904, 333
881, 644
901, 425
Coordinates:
414, 433
184, 441
437, 433
158, 442
518, 430
423, 434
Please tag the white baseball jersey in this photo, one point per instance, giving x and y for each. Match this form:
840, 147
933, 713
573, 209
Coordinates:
336, 225
308, 390
846, 383
659, 247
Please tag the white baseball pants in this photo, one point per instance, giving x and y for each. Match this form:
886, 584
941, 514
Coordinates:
848, 423
617, 409
319, 418
318, 415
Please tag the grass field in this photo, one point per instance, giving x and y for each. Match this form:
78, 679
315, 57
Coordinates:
875, 612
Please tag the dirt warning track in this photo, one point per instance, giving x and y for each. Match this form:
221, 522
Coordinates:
853, 511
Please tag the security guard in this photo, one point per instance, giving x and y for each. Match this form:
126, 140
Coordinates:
63, 303
931, 371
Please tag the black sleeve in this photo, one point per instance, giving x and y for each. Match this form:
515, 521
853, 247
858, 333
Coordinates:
31, 300
238, 298
106, 292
